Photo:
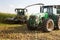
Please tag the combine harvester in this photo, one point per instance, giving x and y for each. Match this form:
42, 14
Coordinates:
47, 19
20, 17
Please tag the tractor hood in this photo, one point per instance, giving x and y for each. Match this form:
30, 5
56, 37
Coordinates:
35, 18
40, 15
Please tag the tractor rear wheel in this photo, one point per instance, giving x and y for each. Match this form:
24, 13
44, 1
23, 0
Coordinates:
48, 25
58, 23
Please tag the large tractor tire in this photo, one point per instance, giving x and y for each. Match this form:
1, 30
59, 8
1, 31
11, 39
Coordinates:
30, 27
58, 23
48, 25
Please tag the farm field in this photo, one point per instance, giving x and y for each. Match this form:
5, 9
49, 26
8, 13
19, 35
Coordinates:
20, 32
3, 16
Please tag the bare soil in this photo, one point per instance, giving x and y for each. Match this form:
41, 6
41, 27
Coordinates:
20, 32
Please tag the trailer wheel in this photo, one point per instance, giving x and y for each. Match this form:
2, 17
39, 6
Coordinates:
48, 25
58, 23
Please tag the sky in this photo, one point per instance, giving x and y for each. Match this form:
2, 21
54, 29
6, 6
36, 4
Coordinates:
8, 6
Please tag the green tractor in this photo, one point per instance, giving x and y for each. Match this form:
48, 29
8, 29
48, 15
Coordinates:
47, 19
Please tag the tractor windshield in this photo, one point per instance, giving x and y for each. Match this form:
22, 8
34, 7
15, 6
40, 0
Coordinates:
20, 11
46, 9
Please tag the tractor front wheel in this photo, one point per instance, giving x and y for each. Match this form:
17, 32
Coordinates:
30, 27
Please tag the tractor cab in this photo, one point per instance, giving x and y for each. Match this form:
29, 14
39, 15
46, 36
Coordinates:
51, 9
47, 9
20, 11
